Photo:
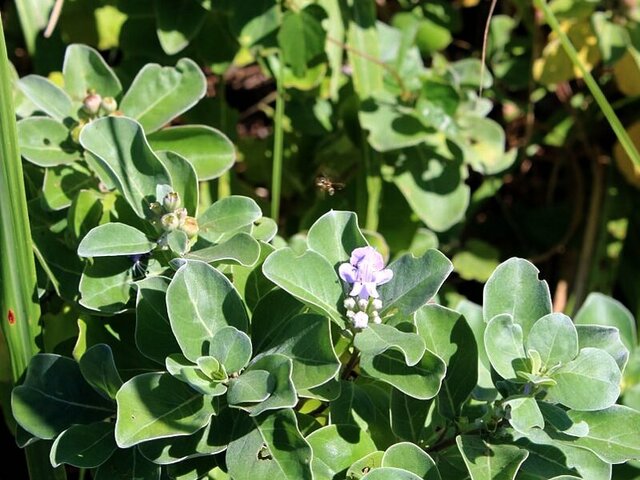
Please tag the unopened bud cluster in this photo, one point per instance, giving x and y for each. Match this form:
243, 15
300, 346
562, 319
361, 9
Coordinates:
93, 106
171, 215
361, 311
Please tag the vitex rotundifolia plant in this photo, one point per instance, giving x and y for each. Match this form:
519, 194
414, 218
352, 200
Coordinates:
328, 363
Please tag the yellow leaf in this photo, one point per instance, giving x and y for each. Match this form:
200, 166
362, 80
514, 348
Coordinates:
626, 73
555, 66
630, 171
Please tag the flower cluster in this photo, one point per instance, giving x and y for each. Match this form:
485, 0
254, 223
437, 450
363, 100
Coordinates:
364, 272
170, 215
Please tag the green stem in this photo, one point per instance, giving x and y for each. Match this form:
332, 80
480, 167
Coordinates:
224, 182
595, 90
33, 18
278, 141
373, 184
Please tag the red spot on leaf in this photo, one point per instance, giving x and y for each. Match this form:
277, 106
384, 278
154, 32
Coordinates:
11, 317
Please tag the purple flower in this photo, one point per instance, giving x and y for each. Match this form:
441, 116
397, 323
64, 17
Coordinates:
365, 271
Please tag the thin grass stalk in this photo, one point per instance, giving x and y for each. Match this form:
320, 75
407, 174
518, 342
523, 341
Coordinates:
19, 305
278, 144
591, 83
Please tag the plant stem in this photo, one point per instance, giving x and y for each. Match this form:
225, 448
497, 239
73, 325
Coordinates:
224, 182
373, 185
595, 90
278, 140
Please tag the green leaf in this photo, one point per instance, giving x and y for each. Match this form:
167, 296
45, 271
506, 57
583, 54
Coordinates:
119, 146
466, 73
477, 261
408, 416
55, 396
84, 446
269, 446
362, 36
409, 456
114, 239
514, 288
335, 235
599, 309
555, 338
336, 448
253, 386
154, 337
183, 179
490, 462
447, 334
226, 217
524, 414
200, 301
305, 339
62, 184
503, 342
240, 249
47, 96
159, 94
283, 394
232, 348
156, 405
604, 338
377, 339
84, 69
590, 382
45, 142
208, 441
105, 285
415, 281
367, 463
391, 126
209, 150
483, 142
432, 182
301, 38
185, 371
178, 242
390, 473
99, 370
255, 23
177, 23
309, 278
614, 433
129, 464
421, 381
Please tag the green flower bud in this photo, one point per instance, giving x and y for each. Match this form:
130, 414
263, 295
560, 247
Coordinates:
91, 104
171, 201
75, 132
109, 105
156, 208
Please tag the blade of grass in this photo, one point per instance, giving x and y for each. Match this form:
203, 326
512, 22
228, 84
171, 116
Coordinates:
278, 143
591, 83
34, 16
19, 304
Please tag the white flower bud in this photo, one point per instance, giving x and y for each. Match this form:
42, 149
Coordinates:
190, 227
350, 313
360, 320
171, 201
376, 317
363, 304
376, 303
109, 104
349, 303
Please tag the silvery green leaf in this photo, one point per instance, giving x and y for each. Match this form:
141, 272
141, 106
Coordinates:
84, 69
114, 239
335, 235
84, 446
555, 338
490, 462
503, 342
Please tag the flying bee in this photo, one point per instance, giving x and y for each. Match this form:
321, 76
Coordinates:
327, 185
